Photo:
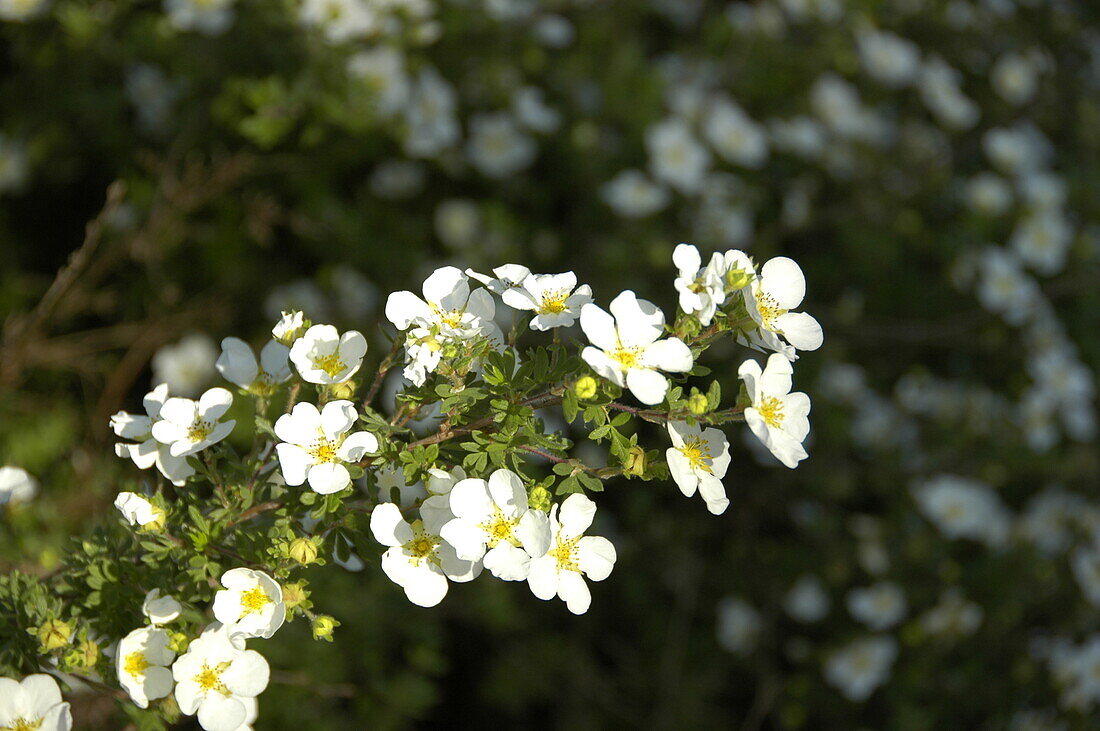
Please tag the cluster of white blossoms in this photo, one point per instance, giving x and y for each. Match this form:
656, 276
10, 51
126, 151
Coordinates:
33, 703
452, 526
215, 676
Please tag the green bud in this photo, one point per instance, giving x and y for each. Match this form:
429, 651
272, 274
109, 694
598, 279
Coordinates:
698, 404
302, 550
296, 596
635, 463
83, 656
323, 626
54, 634
585, 387
343, 390
737, 278
539, 499
178, 642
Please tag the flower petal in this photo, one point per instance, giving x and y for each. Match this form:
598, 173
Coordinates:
648, 386
328, 478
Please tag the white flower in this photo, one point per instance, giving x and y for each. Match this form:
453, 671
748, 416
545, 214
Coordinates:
144, 450
209, 17
448, 312
572, 556
675, 156
289, 327
1021, 149
160, 609
963, 508
632, 195
1015, 77
739, 625
862, 666
323, 355
954, 615
189, 427
770, 298
18, 11
34, 703
879, 607
493, 523
16, 485
1004, 288
1042, 241
431, 116
216, 677
382, 70
777, 417
734, 135
988, 193
627, 350
341, 20
316, 446
505, 277
702, 289
888, 58
418, 559
807, 601
555, 299
238, 365
457, 223
497, 146
251, 604
142, 661
137, 510
531, 110
698, 459
186, 366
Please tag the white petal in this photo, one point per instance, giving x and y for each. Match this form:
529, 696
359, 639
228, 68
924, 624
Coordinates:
800, 330
574, 592
648, 386
356, 445
403, 307
714, 493
214, 403
680, 469
576, 514
221, 713
507, 562
248, 674
507, 491
519, 298
301, 426
776, 379
237, 363
328, 478
294, 462
533, 531
425, 585
603, 365
336, 418
638, 322
542, 577
274, 359
388, 527
470, 499
783, 279
599, 327
687, 260
467, 539
448, 288
596, 557
455, 568
670, 355
180, 411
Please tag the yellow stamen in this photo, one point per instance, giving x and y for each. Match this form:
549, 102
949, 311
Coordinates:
499, 528
322, 451
210, 678
565, 553
771, 409
697, 452
553, 303
330, 364
423, 545
627, 358
23, 724
135, 664
253, 600
769, 309
199, 430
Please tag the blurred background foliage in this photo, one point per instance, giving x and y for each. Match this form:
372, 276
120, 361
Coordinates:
181, 172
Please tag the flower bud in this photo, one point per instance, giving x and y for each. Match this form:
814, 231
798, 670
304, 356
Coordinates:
343, 390
737, 278
289, 328
698, 404
302, 550
178, 642
54, 634
539, 498
296, 595
585, 387
635, 462
83, 656
323, 626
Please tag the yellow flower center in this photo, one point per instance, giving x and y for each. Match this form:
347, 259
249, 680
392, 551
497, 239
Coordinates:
264, 385
330, 364
322, 451
627, 358
210, 678
769, 309
553, 303
697, 452
199, 430
499, 528
565, 553
135, 664
771, 409
23, 724
422, 545
253, 600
